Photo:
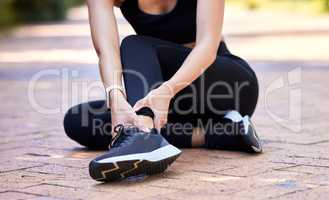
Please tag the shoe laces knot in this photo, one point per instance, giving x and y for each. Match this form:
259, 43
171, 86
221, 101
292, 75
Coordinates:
121, 136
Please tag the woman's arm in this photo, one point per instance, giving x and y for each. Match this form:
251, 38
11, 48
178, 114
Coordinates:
106, 40
105, 37
210, 14
210, 17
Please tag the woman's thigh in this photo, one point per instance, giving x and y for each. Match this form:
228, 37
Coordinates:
89, 124
228, 84
141, 68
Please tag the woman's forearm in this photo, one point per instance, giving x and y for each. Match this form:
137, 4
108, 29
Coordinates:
210, 15
106, 40
200, 58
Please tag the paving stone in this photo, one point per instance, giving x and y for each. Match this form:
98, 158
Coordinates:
14, 180
316, 162
54, 142
8, 139
13, 145
15, 195
319, 193
321, 180
58, 191
38, 161
44, 198
64, 157
247, 168
14, 165
61, 192
61, 170
309, 170
272, 191
183, 195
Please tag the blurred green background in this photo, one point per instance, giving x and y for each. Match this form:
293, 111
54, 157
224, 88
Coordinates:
310, 6
14, 12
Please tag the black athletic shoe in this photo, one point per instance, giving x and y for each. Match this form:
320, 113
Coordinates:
250, 140
237, 133
133, 152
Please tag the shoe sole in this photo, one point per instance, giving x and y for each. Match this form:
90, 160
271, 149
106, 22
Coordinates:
121, 167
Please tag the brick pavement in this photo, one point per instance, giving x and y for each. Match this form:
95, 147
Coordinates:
39, 162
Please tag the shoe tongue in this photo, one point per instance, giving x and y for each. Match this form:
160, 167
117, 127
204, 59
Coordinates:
154, 131
131, 130
123, 135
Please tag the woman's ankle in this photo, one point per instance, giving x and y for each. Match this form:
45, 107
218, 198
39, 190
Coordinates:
146, 121
198, 137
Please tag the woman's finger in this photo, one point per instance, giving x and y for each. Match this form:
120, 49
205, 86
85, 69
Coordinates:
157, 125
139, 105
133, 117
159, 122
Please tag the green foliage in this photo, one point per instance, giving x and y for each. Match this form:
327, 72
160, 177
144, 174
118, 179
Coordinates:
253, 4
315, 6
6, 14
39, 10
28, 11
326, 5
72, 3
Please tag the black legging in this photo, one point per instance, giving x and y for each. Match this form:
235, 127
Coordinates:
229, 80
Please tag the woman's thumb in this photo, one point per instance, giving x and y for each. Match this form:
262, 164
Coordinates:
139, 105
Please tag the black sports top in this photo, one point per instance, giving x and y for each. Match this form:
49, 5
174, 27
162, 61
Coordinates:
178, 25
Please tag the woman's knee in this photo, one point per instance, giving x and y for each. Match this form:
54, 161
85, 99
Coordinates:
133, 41
236, 84
131, 46
248, 99
128, 40
72, 121
247, 90
245, 65
89, 124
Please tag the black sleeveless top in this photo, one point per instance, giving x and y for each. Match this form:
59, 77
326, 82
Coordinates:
178, 25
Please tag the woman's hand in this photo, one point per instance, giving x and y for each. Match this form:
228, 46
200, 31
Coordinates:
123, 113
121, 110
158, 100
